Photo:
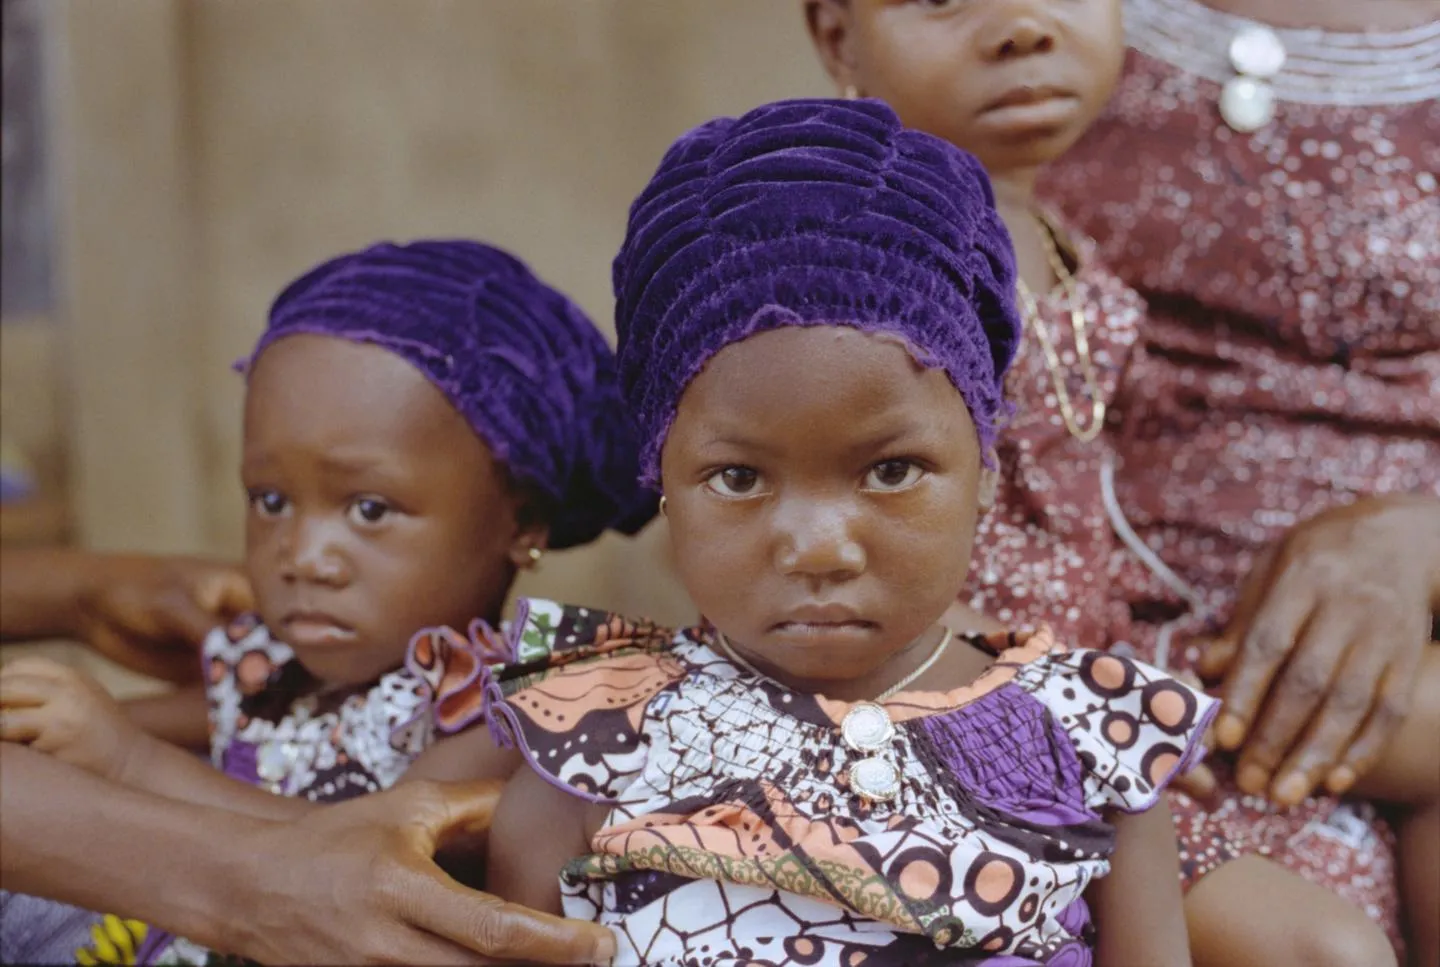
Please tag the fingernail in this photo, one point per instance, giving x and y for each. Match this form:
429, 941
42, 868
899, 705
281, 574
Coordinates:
1291, 789
1340, 780
1252, 780
605, 949
1229, 732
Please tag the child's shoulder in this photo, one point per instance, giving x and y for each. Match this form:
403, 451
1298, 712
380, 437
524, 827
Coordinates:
1134, 726
572, 687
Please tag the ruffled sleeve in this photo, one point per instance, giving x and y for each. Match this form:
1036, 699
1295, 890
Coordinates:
573, 692
1134, 727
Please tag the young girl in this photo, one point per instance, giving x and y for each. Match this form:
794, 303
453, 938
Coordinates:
421, 421
1018, 84
815, 309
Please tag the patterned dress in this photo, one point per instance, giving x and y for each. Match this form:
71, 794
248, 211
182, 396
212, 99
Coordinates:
732, 835
326, 748
1290, 361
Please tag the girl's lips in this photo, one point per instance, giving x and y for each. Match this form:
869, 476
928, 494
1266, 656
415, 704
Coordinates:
315, 630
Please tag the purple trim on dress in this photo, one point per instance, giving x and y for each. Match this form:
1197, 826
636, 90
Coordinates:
1194, 751
498, 711
156, 942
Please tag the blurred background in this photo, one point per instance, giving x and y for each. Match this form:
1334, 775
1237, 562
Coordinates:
170, 164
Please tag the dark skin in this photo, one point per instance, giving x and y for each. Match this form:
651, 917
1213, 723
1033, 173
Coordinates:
148, 613
823, 467
376, 511
944, 66
1318, 667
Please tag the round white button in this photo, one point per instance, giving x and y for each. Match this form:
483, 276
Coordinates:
875, 778
1247, 104
867, 727
1256, 50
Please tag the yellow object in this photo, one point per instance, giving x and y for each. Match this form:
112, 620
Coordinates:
114, 941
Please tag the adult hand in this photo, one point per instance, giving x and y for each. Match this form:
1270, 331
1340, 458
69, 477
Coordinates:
357, 883
64, 712
1320, 657
150, 613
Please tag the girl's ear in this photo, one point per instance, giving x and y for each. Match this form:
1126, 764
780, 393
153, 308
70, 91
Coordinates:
989, 480
532, 534
830, 31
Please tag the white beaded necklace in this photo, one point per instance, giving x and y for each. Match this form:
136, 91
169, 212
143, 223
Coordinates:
1258, 65
866, 729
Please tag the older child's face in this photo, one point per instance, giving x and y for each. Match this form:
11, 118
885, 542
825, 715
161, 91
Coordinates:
375, 510
1014, 82
821, 492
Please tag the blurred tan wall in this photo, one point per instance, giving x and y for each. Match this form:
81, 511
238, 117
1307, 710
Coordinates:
215, 148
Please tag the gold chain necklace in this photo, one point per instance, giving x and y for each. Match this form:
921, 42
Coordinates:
1082, 343
867, 728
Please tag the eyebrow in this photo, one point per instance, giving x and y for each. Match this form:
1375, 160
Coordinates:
882, 439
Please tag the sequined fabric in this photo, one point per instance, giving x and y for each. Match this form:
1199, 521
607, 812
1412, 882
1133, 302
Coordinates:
1291, 359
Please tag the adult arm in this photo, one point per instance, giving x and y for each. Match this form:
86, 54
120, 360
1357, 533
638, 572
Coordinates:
147, 613
1320, 659
1138, 909
351, 883
180, 717
165, 770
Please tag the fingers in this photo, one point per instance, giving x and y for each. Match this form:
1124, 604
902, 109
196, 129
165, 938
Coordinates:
1199, 784
1336, 722
1268, 642
224, 593
37, 666
220, 592
21, 724
1390, 708
171, 664
186, 618
504, 931
1216, 656
1296, 696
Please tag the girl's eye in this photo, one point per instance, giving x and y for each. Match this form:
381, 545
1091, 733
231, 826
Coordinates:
268, 503
369, 510
734, 482
892, 475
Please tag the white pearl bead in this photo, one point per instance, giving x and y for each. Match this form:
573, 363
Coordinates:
1247, 104
1257, 51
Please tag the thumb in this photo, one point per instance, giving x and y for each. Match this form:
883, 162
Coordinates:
450, 810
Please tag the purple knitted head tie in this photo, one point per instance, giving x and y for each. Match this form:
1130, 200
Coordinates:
522, 363
808, 213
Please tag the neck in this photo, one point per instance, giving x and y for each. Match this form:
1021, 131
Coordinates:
1015, 193
865, 688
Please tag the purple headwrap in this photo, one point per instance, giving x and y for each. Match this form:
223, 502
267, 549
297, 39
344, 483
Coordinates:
813, 212
524, 366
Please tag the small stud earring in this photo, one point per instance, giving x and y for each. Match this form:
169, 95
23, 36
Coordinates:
852, 92
535, 555
662, 506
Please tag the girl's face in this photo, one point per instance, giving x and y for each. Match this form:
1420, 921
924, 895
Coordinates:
1014, 82
375, 510
821, 492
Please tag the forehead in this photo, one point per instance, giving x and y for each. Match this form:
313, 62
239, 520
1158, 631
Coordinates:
830, 381
330, 394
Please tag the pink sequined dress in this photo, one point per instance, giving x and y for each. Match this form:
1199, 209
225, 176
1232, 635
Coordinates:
1290, 361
